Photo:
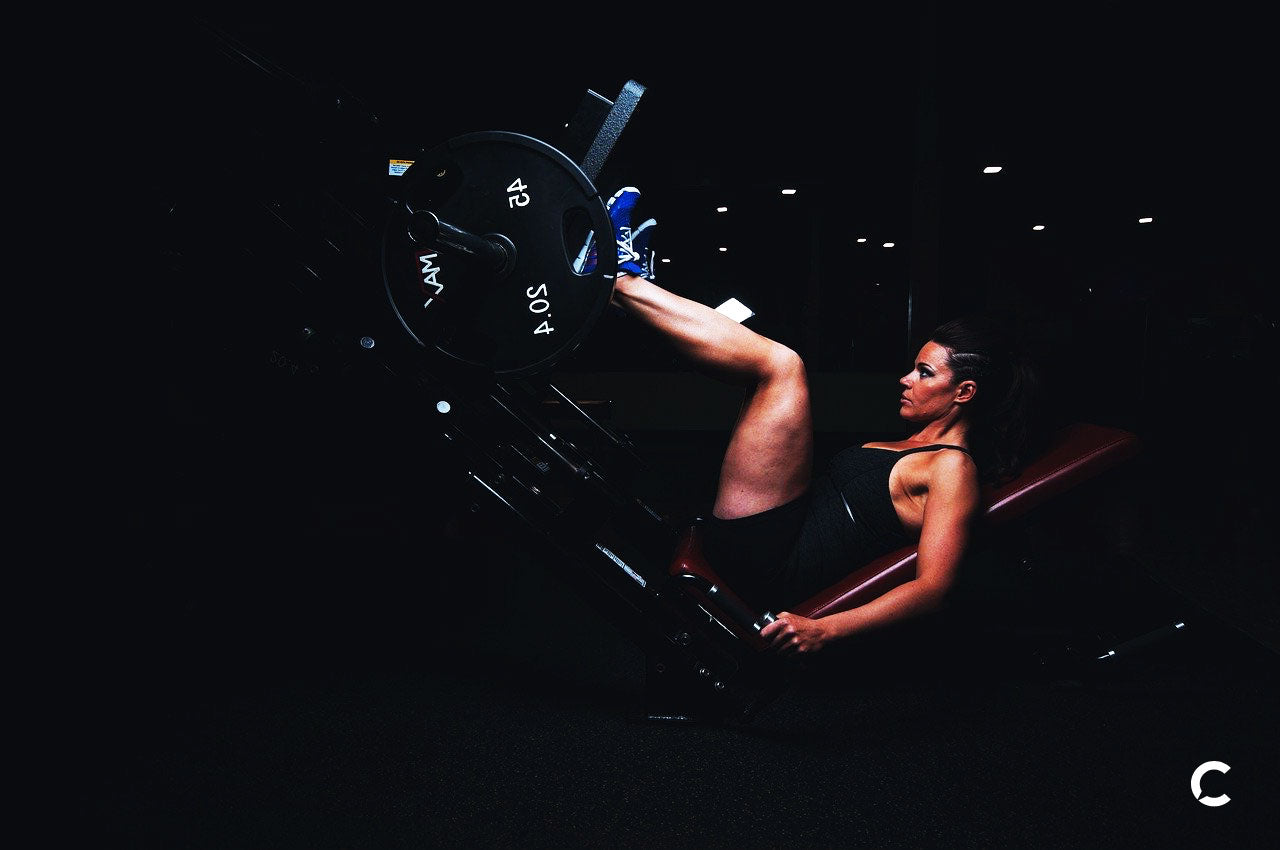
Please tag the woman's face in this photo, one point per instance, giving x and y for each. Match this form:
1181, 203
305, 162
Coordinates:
929, 389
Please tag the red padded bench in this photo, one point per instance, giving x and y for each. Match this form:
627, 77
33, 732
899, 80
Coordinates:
1074, 455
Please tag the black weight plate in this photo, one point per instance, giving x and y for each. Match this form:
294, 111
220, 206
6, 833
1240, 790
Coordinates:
522, 320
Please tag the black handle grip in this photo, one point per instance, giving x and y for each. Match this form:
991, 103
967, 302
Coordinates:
728, 602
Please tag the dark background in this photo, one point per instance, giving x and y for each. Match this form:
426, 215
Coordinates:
313, 655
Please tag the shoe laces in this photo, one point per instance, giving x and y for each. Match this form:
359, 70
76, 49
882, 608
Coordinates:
624, 242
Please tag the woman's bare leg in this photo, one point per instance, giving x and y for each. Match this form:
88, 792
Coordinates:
770, 454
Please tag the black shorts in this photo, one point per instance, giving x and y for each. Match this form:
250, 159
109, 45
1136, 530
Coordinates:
752, 553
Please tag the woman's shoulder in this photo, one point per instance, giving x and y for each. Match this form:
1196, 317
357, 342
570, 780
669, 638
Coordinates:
954, 474
929, 465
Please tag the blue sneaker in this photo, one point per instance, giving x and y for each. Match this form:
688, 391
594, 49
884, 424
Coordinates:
645, 264
619, 207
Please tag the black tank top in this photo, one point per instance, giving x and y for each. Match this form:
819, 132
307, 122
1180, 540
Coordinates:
850, 519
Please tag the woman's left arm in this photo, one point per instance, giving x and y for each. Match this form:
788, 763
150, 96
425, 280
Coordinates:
948, 515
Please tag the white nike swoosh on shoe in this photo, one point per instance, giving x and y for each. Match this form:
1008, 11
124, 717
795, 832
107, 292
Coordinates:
581, 259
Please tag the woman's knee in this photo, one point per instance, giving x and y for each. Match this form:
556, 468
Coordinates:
782, 365
783, 391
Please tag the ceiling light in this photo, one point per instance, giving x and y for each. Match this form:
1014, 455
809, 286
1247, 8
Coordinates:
788, 191
666, 259
992, 169
1038, 227
722, 209
888, 244
1144, 220
862, 239
722, 250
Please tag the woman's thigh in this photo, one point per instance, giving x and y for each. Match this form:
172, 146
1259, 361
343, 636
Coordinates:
769, 459
750, 552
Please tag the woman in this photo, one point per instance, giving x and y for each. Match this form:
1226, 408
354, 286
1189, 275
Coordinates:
777, 533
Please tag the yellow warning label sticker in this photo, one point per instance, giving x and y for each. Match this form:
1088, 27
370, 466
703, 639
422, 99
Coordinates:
396, 167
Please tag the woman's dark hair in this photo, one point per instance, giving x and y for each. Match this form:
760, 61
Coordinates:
1006, 422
